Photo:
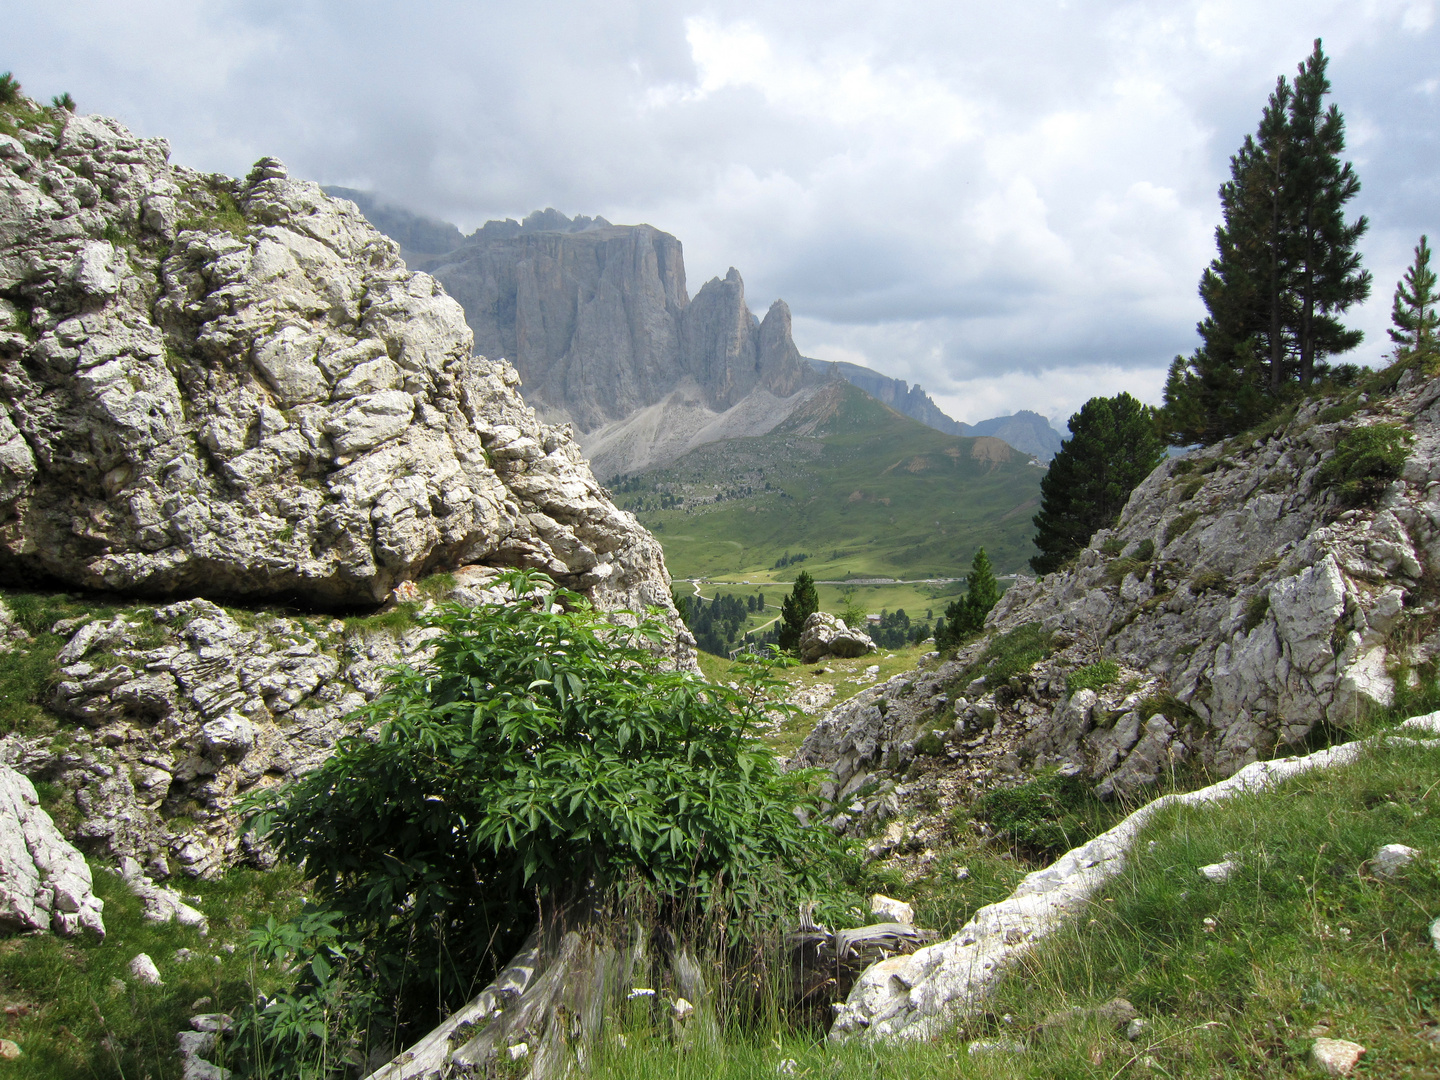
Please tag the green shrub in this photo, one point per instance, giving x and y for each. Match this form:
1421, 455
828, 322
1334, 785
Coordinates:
225, 217
9, 89
1366, 461
1256, 610
1335, 413
931, 744
1007, 655
1092, 676
1180, 525
1112, 547
1044, 817
545, 761
1207, 580
1191, 487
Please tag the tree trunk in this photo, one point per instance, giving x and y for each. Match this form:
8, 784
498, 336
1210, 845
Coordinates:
546, 1009
574, 970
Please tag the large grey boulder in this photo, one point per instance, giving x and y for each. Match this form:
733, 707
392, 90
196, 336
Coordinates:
826, 635
44, 882
237, 388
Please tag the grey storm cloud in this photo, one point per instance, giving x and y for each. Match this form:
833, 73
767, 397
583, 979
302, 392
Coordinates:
1011, 204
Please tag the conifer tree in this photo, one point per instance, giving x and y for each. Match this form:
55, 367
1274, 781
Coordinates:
1286, 267
1112, 447
966, 615
1415, 314
802, 602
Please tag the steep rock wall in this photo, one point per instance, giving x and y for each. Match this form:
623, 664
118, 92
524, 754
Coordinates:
599, 323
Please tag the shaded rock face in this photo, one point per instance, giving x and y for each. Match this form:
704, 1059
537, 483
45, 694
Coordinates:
236, 388
598, 322
1242, 603
186, 707
175, 712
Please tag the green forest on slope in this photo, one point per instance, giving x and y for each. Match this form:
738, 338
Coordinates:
856, 487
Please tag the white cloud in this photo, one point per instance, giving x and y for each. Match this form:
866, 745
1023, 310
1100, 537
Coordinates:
979, 197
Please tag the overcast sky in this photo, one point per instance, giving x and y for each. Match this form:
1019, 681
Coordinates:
1009, 203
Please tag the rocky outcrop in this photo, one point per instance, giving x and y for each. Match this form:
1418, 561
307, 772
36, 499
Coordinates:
1239, 604
185, 708
236, 388
827, 635
44, 882
915, 996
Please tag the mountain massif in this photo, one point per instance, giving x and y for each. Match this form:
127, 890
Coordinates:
598, 321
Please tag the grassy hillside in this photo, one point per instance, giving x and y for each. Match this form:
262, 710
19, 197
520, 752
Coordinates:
858, 488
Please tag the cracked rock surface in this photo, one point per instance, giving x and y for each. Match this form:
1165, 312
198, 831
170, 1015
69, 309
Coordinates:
44, 882
1241, 603
184, 708
235, 388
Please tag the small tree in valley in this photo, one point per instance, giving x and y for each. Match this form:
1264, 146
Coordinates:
966, 616
802, 602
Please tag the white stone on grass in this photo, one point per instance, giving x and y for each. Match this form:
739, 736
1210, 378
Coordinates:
144, 969
1336, 1057
1220, 871
892, 910
1391, 859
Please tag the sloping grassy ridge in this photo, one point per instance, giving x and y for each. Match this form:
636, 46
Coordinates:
860, 488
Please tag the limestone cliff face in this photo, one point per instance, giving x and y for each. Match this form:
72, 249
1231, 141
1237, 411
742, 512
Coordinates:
1243, 604
236, 388
599, 324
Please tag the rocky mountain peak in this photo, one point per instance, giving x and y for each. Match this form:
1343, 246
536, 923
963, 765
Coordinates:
597, 320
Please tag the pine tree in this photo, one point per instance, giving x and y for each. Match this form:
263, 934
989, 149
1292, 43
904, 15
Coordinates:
1415, 315
966, 615
1286, 266
1113, 445
802, 602
1326, 265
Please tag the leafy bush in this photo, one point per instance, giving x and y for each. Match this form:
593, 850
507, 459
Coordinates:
1366, 461
544, 761
9, 89
1045, 816
1092, 676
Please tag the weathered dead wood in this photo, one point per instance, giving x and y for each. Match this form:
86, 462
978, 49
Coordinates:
549, 1005
825, 964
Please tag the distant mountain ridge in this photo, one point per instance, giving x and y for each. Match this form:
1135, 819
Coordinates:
908, 400
861, 488
1026, 431
597, 319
